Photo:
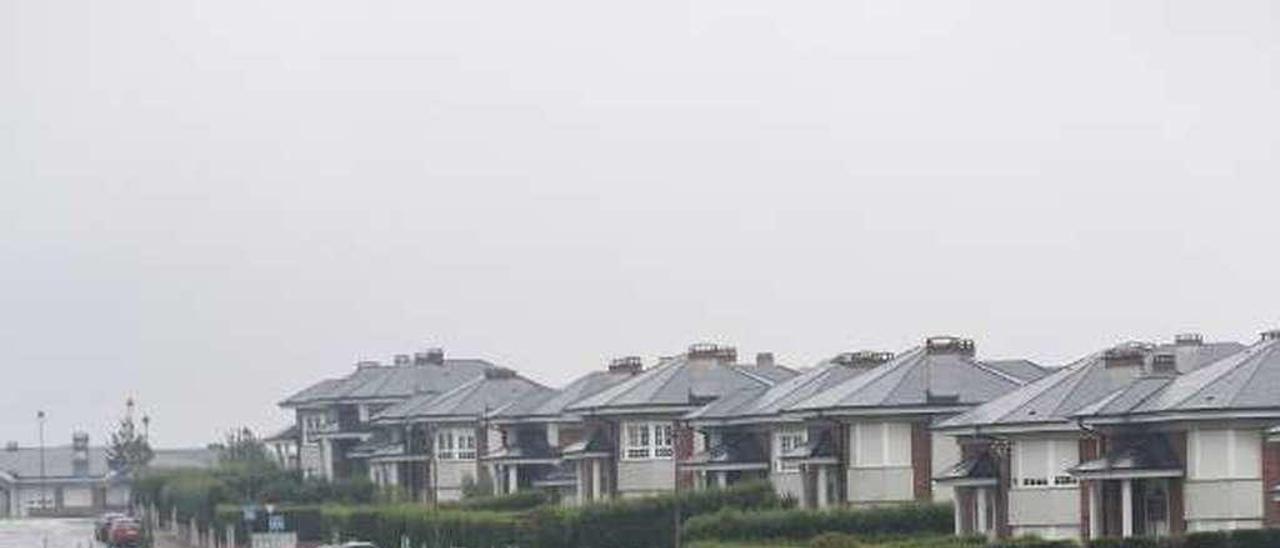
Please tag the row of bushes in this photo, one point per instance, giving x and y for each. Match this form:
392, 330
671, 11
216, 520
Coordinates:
794, 524
1244, 538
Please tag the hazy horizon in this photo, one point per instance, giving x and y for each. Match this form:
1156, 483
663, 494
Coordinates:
208, 206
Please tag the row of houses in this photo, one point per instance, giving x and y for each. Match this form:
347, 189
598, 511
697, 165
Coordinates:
1135, 439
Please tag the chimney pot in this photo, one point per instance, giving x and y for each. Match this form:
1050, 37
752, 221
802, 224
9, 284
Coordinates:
863, 358
626, 364
1188, 339
721, 354
1272, 335
947, 344
1126, 355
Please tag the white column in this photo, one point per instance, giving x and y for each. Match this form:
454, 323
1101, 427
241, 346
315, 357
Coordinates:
958, 514
981, 515
326, 454
722, 479
513, 478
596, 491
1126, 505
821, 486
581, 479
1095, 509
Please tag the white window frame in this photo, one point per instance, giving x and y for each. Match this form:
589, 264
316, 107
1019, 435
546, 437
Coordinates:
1226, 458
648, 441
455, 444
860, 433
1054, 475
785, 440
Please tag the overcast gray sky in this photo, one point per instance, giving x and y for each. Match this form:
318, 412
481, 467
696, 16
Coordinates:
208, 205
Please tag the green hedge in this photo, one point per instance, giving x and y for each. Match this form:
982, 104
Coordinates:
910, 519
522, 500
640, 523
1245, 538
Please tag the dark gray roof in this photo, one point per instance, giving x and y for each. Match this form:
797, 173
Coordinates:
920, 377
768, 401
378, 382
1249, 379
1055, 398
471, 400
681, 382
24, 463
1026, 370
547, 403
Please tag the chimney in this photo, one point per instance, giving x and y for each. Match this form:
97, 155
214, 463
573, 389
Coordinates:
949, 345
365, 364
1126, 355
1272, 335
402, 360
626, 364
715, 352
1164, 363
863, 359
1188, 339
11, 447
764, 359
80, 454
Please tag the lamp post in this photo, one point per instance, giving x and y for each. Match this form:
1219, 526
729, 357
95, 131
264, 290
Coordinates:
43, 487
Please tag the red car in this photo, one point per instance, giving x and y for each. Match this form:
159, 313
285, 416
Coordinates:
124, 532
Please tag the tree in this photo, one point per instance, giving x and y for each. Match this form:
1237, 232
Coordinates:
128, 450
242, 445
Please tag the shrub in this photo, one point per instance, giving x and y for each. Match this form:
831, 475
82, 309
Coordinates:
805, 524
521, 500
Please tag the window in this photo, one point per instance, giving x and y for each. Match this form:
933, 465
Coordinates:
787, 441
1224, 454
456, 444
648, 441
1044, 463
880, 444
311, 425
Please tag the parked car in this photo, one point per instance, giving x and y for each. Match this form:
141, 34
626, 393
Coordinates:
102, 525
124, 533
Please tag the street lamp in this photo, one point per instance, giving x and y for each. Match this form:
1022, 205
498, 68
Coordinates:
43, 487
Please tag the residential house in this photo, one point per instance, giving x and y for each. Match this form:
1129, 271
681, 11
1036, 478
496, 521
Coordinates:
74, 480
451, 429
746, 434
869, 436
1178, 452
1015, 478
634, 430
536, 429
333, 415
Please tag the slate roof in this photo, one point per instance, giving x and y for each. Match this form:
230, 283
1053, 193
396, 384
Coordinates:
24, 463
769, 401
377, 382
550, 404
1244, 380
1026, 370
680, 383
470, 401
918, 378
1053, 399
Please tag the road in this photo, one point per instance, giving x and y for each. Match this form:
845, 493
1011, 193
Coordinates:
47, 533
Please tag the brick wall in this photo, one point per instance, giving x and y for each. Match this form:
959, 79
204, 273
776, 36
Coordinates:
921, 462
1177, 503
1270, 478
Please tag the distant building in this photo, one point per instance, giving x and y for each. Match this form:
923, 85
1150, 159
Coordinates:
76, 480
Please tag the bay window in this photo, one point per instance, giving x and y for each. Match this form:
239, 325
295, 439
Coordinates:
787, 441
456, 444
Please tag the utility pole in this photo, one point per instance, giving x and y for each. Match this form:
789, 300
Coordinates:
43, 487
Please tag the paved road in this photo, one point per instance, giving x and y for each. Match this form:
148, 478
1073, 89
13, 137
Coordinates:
47, 533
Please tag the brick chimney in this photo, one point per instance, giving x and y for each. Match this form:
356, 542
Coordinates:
764, 359
708, 351
80, 454
402, 360
1188, 339
1272, 335
1126, 355
431, 356
863, 359
1164, 363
